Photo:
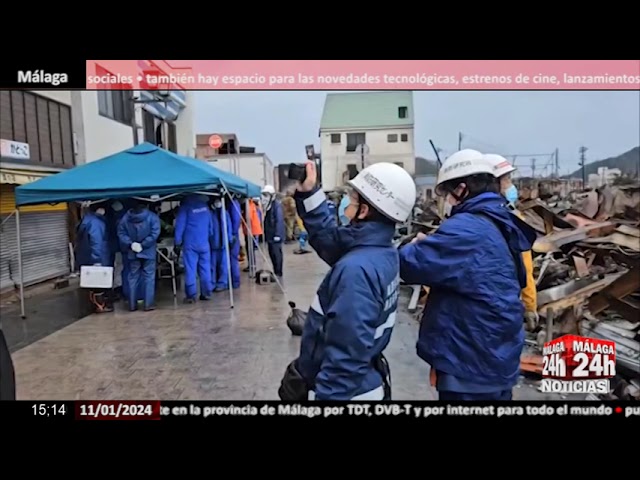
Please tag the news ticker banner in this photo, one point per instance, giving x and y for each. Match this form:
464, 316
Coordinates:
325, 74
213, 411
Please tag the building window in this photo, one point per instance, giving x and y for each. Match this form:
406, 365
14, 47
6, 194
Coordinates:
335, 137
172, 141
392, 138
429, 193
404, 137
355, 139
403, 112
42, 123
116, 105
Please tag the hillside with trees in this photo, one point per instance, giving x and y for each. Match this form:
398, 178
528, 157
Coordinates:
628, 163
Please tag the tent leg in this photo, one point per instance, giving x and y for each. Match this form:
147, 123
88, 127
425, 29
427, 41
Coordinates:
19, 239
227, 248
173, 279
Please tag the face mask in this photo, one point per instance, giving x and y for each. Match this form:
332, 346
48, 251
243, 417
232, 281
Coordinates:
217, 204
100, 211
511, 194
447, 209
117, 206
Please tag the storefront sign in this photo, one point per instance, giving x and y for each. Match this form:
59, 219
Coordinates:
15, 150
11, 178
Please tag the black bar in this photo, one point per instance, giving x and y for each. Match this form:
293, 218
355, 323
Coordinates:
409, 412
61, 74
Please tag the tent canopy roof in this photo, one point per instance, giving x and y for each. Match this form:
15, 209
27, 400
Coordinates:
141, 171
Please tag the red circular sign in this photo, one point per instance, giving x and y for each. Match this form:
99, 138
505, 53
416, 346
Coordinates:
215, 141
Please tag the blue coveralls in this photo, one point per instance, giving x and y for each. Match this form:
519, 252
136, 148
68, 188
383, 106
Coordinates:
142, 227
92, 244
235, 213
219, 271
194, 228
472, 329
113, 219
274, 234
352, 316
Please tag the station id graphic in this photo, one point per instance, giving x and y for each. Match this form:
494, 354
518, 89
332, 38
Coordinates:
578, 365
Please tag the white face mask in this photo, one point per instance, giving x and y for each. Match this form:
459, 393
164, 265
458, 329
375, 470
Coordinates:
217, 204
100, 211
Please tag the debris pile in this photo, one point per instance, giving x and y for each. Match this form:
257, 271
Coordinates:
587, 271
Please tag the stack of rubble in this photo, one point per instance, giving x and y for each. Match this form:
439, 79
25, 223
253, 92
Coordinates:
587, 270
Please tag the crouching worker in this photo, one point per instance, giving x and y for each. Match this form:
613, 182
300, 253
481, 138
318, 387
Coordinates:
353, 314
93, 248
472, 330
138, 232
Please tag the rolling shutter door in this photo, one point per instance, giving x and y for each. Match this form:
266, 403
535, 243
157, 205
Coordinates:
8, 254
45, 242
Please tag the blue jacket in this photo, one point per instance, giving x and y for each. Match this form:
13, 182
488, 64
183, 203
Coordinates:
92, 243
274, 223
472, 328
352, 316
217, 240
194, 225
236, 216
113, 219
141, 227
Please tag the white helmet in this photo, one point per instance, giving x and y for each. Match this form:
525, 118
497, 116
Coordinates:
268, 190
387, 187
462, 164
501, 166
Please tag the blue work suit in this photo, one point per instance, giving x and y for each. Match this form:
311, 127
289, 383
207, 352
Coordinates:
472, 328
113, 219
274, 235
218, 243
194, 228
235, 213
142, 227
92, 244
352, 316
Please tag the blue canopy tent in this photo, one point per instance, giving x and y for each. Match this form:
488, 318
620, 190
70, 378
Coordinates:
142, 171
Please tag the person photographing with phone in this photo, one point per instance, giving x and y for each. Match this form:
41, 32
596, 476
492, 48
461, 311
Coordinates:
352, 316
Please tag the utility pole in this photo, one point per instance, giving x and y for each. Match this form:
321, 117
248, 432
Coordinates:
533, 168
583, 150
557, 169
459, 140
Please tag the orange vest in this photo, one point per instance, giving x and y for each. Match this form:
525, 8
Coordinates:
256, 226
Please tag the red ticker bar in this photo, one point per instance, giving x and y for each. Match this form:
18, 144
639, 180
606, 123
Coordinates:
118, 410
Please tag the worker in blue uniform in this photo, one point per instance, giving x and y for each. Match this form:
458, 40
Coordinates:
115, 213
274, 228
138, 232
93, 248
351, 318
471, 332
235, 214
193, 229
218, 243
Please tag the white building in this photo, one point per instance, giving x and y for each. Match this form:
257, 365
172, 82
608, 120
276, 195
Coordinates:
381, 121
46, 132
244, 162
605, 176
104, 126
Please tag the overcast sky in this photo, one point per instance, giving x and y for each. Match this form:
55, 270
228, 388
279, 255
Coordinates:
280, 124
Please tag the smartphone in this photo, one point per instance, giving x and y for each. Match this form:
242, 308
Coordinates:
297, 172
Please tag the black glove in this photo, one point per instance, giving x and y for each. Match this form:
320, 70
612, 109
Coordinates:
293, 387
177, 249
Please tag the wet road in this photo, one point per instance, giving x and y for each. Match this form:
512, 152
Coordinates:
205, 351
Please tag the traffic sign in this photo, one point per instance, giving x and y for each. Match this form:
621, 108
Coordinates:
215, 141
